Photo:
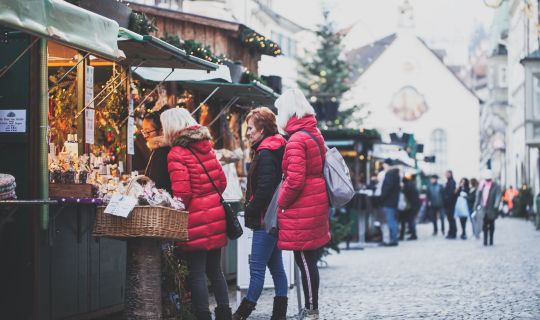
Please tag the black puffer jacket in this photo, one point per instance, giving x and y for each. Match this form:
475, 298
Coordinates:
156, 169
264, 176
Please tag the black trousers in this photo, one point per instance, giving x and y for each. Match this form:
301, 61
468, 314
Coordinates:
489, 229
307, 262
452, 226
433, 212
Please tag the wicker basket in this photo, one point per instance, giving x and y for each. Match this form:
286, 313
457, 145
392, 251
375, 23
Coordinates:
143, 221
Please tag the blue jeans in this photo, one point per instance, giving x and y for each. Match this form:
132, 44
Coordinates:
390, 214
264, 252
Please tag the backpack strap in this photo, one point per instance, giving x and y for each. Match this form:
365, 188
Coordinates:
208, 174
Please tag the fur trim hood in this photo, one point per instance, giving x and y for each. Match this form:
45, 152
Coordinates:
156, 143
190, 135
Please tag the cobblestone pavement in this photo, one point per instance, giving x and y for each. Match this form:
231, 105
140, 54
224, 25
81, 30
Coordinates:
432, 278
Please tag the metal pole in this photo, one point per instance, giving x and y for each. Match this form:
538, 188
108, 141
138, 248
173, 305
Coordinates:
209, 96
4, 70
68, 72
157, 86
43, 178
227, 106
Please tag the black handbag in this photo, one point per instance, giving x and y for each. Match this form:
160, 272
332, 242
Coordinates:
234, 229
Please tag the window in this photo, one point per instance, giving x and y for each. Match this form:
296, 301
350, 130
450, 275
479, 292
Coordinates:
439, 150
291, 47
536, 96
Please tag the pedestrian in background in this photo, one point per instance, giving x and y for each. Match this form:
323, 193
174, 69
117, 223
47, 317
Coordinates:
413, 199
192, 164
435, 203
267, 147
487, 203
462, 210
450, 204
389, 199
303, 221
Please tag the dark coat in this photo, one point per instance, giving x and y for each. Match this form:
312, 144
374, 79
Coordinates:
263, 178
156, 169
390, 189
435, 195
450, 197
412, 195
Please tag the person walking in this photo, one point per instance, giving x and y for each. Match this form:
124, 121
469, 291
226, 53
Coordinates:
156, 168
413, 199
487, 203
462, 210
195, 175
471, 198
435, 204
450, 204
509, 195
391, 188
267, 148
303, 220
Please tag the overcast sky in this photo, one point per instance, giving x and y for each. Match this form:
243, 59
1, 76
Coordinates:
448, 23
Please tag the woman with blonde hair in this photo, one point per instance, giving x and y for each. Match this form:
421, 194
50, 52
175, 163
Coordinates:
198, 179
267, 147
303, 221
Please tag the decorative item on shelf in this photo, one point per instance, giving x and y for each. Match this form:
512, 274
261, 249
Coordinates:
7, 187
62, 106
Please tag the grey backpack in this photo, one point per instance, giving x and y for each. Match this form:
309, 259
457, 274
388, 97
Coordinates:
337, 176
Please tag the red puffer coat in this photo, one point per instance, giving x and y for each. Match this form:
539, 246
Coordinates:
206, 220
303, 223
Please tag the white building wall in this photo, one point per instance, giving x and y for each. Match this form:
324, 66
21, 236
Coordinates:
522, 40
452, 107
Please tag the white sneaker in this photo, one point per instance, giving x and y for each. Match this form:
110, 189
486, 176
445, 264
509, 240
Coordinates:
308, 314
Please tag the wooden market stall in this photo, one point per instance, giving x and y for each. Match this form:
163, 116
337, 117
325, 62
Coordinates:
61, 80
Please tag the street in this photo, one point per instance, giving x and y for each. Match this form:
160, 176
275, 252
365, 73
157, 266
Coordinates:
432, 278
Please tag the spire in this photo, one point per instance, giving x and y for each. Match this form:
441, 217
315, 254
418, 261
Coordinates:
406, 15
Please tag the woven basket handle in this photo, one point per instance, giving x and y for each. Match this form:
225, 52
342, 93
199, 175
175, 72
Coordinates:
133, 180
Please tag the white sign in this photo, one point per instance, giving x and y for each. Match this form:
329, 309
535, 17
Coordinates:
121, 205
244, 251
130, 133
89, 125
130, 107
89, 87
13, 121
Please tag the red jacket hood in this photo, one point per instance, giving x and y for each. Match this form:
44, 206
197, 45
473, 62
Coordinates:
296, 124
195, 137
272, 143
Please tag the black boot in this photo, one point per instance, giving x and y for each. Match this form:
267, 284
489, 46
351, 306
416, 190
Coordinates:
244, 310
204, 315
279, 311
485, 238
223, 313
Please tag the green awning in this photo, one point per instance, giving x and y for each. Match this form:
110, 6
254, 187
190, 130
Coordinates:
154, 52
249, 94
65, 23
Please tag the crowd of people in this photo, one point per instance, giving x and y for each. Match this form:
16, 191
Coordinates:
444, 205
183, 161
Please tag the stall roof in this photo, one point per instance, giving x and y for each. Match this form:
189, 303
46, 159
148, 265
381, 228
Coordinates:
249, 94
158, 74
65, 23
153, 52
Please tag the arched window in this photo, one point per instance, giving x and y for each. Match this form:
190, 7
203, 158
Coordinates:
439, 145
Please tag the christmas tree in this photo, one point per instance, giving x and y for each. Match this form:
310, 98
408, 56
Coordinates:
326, 77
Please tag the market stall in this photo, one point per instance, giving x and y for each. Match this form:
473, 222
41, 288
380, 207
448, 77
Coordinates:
66, 129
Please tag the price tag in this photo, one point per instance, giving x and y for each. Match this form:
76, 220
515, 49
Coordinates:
121, 205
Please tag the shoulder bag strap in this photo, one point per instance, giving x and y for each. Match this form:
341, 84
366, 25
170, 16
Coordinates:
206, 171
316, 141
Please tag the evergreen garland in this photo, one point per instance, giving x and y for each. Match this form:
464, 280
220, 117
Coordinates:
139, 23
259, 42
194, 48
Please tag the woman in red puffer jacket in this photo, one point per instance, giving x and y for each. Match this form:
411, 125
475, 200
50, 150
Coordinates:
303, 220
206, 219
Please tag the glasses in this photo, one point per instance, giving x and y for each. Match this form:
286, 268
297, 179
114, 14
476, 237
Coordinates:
147, 133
